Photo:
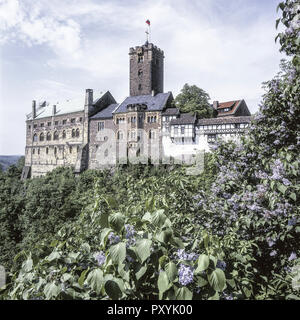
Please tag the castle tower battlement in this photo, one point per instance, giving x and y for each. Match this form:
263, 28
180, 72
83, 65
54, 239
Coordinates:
146, 74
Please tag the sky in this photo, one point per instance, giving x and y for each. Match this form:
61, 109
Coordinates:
54, 50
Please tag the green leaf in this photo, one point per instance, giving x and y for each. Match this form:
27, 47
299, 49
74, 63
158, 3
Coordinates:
111, 202
163, 283
95, 279
82, 277
203, 263
215, 296
104, 235
53, 256
282, 188
158, 218
27, 265
142, 249
165, 236
116, 221
113, 290
141, 272
147, 217
217, 280
66, 277
184, 294
293, 196
201, 282
118, 252
51, 290
171, 271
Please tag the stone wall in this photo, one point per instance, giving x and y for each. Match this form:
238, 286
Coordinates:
62, 150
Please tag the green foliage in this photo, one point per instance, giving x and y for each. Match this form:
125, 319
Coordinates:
195, 100
146, 232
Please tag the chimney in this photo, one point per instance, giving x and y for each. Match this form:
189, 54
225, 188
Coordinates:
54, 110
88, 97
215, 105
33, 109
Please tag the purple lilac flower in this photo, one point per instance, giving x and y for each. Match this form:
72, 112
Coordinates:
270, 242
130, 233
227, 296
273, 253
100, 257
286, 182
221, 265
293, 256
186, 275
182, 255
113, 239
292, 222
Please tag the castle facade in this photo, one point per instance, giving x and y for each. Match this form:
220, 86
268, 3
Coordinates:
97, 132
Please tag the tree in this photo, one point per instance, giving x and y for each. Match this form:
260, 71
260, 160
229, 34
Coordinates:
195, 100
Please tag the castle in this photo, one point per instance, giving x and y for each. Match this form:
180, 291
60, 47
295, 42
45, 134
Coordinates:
98, 131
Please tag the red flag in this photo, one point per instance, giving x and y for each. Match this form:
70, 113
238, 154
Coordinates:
148, 22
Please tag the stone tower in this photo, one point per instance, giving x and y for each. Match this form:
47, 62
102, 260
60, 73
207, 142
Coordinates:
146, 70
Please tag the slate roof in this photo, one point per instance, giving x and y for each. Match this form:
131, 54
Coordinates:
185, 118
44, 109
153, 103
209, 121
170, 112
106, 113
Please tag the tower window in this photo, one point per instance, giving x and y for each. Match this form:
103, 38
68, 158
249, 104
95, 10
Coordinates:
100, 126
140, 87
140, 72
140, 58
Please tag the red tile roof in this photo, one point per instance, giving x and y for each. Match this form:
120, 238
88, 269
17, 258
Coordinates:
230, 104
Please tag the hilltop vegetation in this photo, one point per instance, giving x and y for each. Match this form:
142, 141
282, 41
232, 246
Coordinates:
142, 232
6, 161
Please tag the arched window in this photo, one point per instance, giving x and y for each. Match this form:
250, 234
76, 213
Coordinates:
47, 150
38, 150
42, 137
64, 134
140, 87
48, 136
33, 151
120, 135
73, 133
55, 135
140, 72
77, 132
151, 134
35, 138
55, 150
